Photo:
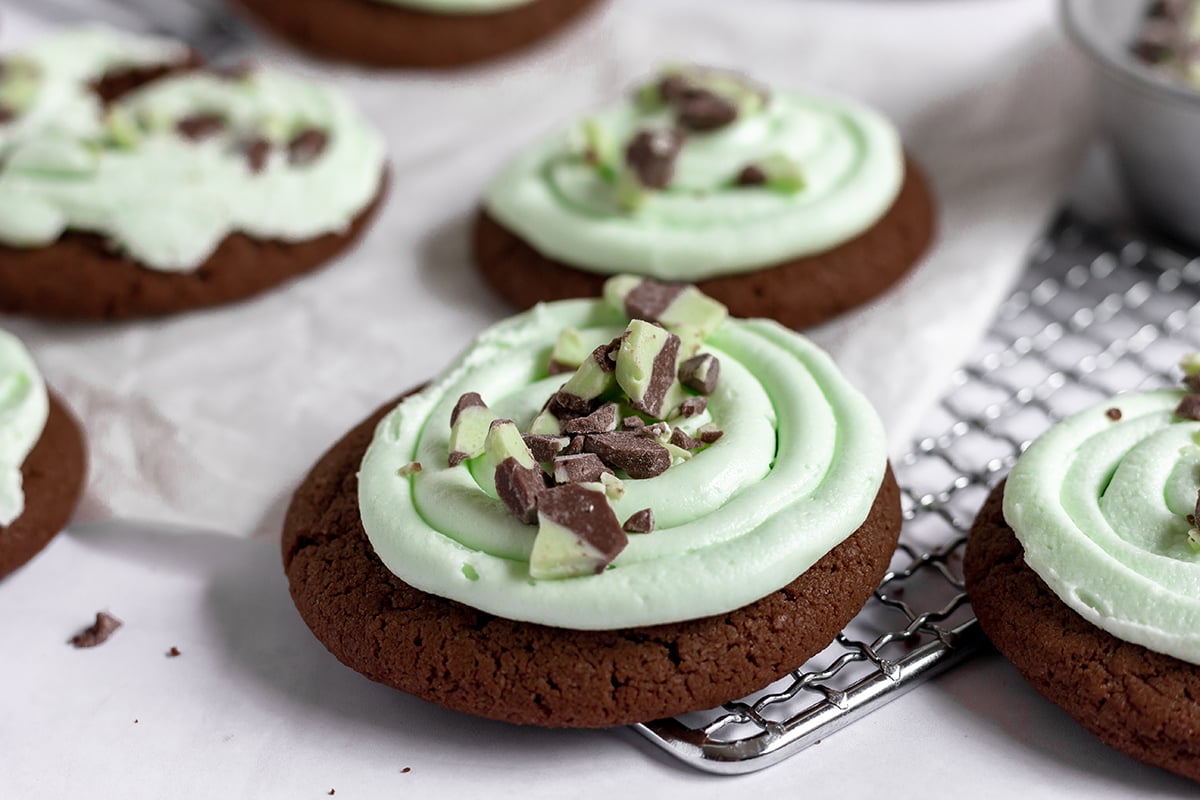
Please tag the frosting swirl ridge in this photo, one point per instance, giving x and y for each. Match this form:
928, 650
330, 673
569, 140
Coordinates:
796, 472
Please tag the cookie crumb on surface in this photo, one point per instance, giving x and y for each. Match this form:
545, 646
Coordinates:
98, 632
174, 653
406, 769
332, 792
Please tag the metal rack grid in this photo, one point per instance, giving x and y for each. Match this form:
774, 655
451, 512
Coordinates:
1095, 314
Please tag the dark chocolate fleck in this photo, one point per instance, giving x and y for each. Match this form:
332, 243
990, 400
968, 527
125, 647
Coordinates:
710, 435
637, 455
655, 430
200, 126
544, 446
681, 439
519, 488
693, 406
1113, 413
406, 770
306, 146
751, 175
581, 468
602, 419
649, 299
700, 373
652, 153
98, 632
703, 110
174, 653
456, 457
468, 400
1189, 407
256, 151
640, 522
586, 513
564, 405
632, 422
575, 447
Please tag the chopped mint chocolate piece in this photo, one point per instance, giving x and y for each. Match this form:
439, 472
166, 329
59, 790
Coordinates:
640, 522
200, 126
255, 151
307, 146
703, 110
709, 433
581, 468
602, 419
98, 632
651, 155
682, 440
700, 373
595, 377
648, 299
638, 456
692, 406
1113, 413
411, 468
545, 447
545, 423
783, 174
632, 422
578, 533
569, 351
678, 307
658, 431
1189, 407
646, 366
519, 487
503, 441
751, 175
470, 422
575, 447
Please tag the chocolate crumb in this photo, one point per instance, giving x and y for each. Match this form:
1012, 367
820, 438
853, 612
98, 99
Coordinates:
256, 151
700, 373
575, 447
632, 422
544, 446
200, 126
1189, 407
406, 769
1113, 413
174, 652
580, 468
751, 175
640, 522
564, 405
652, 153
98, 632
681, 439
703, 110
637, 455
693, 406
332, 792
710, 433
660, 431
306, 146
602, 419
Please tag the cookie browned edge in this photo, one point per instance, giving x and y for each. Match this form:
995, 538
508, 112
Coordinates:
53, 476
799, 293
383, 35
1142, 703
79, 277
525, 673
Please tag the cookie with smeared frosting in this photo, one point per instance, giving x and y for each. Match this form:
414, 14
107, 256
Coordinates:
415, 33
517, 513
781, 204
1083, 569
42, 460
135, 182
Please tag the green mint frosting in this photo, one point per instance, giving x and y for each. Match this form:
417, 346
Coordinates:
24, 407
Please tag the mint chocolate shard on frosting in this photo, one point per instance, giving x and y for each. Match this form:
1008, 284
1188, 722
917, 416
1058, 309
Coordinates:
581, 468
601, 420
568, 353
307, 146
200, 126
545, 447
638, 456
651, 156
470, 422
1189, 407
692, 406
646, 368
680, 308
700, 374
658, 431
519, 488
683, 441
703, 110
578, 533
709, 433
640, 522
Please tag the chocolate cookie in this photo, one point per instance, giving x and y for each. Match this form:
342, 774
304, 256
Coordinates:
798, 293
380, 34
53, 476
1137, 701
525, 673
78, 277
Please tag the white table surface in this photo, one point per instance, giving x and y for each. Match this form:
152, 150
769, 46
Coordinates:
255, 707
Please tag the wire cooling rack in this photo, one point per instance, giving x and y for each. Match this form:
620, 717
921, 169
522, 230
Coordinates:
1097, 313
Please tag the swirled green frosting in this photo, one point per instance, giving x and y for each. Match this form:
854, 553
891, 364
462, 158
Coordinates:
1100, 507
704, 224
796, 472
24, 407
129, 173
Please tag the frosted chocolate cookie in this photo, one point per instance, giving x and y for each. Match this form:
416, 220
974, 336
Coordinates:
414, 33
42, 460
605, 511
133, 182
1083, 570
780, 204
